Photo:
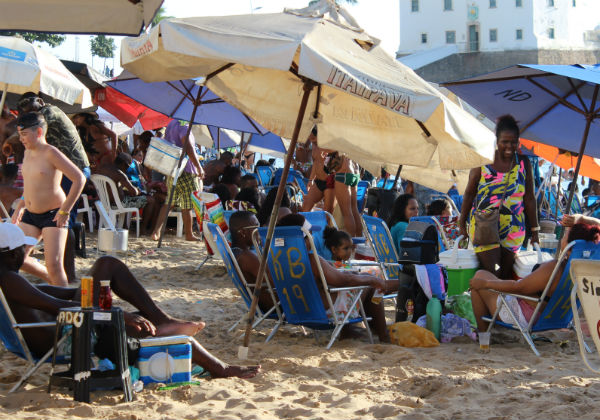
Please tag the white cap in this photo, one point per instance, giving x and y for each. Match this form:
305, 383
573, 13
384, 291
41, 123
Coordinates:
11, 237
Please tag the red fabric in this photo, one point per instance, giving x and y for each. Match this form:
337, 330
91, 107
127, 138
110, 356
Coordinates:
128, 110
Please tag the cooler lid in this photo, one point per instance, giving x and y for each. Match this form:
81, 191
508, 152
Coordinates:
165, 341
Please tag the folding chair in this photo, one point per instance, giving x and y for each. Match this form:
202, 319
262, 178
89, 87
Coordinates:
240, 283
585, 275
380, 240
13, 340
558, 312
290, 267
265, 175
116, 212
361, 194
319, 221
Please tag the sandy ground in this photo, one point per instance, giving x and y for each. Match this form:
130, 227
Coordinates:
300, 379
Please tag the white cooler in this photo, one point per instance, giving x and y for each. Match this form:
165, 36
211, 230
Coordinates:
461, 265
525, 260
163, 157
165, 359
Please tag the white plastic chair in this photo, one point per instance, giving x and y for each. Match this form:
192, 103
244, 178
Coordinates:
116, 211
179, 216
87, 209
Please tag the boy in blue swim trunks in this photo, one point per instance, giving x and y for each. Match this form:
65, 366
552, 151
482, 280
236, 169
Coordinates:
44, 209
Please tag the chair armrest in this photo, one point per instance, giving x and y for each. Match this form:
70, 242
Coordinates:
341, 289
35, 324
533, 299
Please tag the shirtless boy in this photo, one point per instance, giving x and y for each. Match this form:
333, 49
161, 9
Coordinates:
41, 303
44, 210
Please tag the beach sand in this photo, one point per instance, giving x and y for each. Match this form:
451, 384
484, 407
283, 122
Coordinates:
300, 379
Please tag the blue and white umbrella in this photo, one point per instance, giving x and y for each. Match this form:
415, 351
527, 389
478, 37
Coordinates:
557, 105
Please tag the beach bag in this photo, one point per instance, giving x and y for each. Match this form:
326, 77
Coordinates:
407, 334
411, 301
419, 244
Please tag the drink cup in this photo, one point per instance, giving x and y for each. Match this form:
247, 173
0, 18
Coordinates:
484, 342
87, 292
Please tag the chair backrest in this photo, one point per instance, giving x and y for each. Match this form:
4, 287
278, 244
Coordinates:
585, 275
381, 241
233, 269
319, 221
11, 337
265, 174
558, 312
105, 187
361, 194
289, 265
227, 214
442, 241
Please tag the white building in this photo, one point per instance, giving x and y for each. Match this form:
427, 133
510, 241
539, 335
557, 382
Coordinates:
463, 26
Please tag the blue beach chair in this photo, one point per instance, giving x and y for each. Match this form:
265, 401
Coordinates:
361, 194
319, 221
558, 312
265, 175
13, 340
300, 297
243, 287
381, 242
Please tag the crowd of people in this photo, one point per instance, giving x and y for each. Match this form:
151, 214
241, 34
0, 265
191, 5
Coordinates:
47, 158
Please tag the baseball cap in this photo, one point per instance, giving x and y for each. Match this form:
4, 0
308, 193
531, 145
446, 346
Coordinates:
30, 119
11, 237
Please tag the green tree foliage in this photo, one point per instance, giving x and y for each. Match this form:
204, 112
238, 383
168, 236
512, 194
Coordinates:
102, 47
160, 15
53, 40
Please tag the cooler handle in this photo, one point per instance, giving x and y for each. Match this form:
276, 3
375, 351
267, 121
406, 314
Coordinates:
455, 248
539, 252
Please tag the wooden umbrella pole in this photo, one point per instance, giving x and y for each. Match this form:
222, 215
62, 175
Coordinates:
558, 191
218, 143
308, 86
3, 99
183, 153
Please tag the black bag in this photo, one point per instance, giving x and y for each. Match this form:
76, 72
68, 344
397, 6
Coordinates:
411, 302
419, 244
381, 201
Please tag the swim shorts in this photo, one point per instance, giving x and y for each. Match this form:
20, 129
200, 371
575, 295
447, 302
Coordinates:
41, 220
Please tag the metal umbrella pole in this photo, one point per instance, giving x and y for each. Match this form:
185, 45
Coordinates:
308, 86
181, 157
395, 179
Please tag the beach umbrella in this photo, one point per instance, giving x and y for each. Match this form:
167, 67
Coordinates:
556, 105
272, 66
25, 67
128, 110
178, 98
90, 77
114, 17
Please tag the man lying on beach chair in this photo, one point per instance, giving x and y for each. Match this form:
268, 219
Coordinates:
31, 303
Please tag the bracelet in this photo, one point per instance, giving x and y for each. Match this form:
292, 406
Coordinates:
63, 213
535, 229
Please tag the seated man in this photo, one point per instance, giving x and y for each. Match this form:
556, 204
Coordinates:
41, 303
130, 195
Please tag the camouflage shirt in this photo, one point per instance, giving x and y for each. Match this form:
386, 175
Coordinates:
63, 135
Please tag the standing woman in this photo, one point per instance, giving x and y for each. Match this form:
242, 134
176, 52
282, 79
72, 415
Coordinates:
505, 186
99, 142
322, 185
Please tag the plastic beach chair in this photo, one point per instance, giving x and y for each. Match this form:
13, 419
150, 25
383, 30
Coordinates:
361, 194
585, 275
290, 268
319, 220
13, 340
105, 187
240, 283
558, 311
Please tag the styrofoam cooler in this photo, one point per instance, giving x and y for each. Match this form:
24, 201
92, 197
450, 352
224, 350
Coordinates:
548, 242
165, 359
163, 157
461, 265
526, 260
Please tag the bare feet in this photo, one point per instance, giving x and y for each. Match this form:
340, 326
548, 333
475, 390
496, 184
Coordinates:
244, 372
192, 238
179, 327
155, 236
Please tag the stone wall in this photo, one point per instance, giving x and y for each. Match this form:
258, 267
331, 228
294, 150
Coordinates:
460, 66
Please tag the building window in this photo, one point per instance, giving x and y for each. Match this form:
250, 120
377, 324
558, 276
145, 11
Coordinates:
519, 33
447, 4
423, 38
450, 37
550, 3
493, 35
414, 5
551, 33
518, 3
492, 4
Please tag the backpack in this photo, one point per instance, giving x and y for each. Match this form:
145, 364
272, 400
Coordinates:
419, 244
411, 302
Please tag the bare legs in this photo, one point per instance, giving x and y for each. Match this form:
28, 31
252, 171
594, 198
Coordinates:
343, 194
484, 301
313, 196
54, 250
188, 224
501, 257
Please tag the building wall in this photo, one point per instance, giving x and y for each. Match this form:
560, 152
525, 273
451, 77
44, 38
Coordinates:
535, 17
460, 66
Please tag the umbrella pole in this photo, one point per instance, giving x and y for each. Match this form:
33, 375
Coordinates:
218, 143
3, 100
395, 179
558, 191
243, 351
588, 123
176, 178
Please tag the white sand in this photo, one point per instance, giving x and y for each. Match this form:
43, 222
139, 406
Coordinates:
301, 379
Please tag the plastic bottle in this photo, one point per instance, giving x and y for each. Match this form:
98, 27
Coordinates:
434, 316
